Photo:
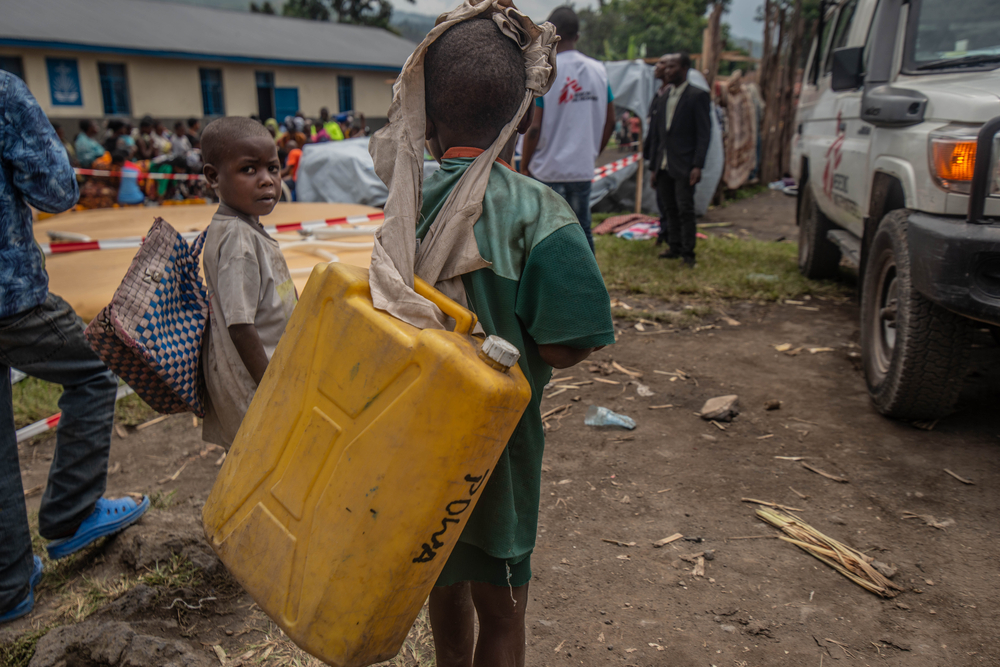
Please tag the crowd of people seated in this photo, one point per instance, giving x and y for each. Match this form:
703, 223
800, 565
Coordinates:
129, 153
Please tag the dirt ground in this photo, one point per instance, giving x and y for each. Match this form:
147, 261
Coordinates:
762, 601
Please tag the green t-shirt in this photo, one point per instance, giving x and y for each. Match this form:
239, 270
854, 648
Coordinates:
543, 287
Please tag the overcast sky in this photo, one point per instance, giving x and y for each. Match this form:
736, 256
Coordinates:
740, 16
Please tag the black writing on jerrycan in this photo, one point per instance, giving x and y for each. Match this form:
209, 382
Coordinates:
453, 509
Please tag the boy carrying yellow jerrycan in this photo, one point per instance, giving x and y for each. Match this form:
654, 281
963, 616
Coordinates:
358, 463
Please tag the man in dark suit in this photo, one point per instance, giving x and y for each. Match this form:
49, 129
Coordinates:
676, 149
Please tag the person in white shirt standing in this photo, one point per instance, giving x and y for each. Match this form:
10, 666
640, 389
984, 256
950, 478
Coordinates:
572, 123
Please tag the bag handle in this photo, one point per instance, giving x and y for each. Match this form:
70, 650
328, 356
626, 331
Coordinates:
465, 319
198, 244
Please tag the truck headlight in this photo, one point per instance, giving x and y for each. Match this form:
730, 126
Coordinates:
953, 157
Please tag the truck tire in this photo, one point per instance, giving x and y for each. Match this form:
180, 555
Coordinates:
914, 353
818, 256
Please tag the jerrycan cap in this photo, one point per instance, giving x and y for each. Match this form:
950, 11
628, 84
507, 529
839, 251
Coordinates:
499, 351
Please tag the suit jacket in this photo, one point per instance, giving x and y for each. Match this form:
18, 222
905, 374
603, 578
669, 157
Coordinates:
686, 144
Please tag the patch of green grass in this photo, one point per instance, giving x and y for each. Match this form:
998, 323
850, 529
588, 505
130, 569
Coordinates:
36, 399
729, 269
161, 501
177, 572
18, 651
746, 192
132, 411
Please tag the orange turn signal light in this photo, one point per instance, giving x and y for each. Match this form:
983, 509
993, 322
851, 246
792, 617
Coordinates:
954, 160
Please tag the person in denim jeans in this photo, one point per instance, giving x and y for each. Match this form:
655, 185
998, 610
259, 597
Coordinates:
41, 335
572, 124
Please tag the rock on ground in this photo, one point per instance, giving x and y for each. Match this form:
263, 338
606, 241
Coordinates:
721, 408
158, 537
114, 644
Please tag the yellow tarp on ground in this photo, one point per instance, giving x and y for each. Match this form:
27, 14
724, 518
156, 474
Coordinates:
88, 279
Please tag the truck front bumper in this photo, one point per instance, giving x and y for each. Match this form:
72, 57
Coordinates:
956, 264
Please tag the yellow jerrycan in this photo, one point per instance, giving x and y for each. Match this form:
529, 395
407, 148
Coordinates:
358, 464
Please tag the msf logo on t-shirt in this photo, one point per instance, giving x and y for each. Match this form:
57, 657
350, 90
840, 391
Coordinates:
573, 92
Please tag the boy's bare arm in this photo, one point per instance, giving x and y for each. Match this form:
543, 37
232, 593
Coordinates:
609, 126
564, 356
246, 340
531, 141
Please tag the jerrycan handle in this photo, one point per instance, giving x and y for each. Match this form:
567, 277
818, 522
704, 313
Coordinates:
465, 320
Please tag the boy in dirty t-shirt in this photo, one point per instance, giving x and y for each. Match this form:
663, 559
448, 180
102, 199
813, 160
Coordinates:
250, 290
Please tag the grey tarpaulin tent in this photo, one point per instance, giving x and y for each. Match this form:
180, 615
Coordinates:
343, 171
633, 86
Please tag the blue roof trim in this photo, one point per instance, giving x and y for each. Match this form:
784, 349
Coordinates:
184, 55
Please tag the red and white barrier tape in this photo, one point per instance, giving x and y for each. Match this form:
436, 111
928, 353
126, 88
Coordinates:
136, 241
140, 175
50, 423
610, 168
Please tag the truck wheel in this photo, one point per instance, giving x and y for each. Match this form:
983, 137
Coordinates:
914, 353
818, 256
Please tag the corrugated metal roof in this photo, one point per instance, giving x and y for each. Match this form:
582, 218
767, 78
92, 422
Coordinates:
146, 27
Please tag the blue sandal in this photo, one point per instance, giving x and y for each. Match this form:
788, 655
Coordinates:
25, 606
109, 517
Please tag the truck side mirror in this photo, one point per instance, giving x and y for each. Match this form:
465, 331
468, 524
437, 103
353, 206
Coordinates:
848, 68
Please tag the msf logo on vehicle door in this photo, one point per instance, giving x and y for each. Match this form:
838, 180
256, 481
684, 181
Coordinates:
572, 91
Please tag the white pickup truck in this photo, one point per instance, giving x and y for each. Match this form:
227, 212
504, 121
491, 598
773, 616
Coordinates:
896, 154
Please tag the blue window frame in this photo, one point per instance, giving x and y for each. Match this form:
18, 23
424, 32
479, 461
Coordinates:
64, 82
345, 93
114, 89
13, 65
211, 92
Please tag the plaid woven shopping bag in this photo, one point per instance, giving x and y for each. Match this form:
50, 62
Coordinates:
150, 334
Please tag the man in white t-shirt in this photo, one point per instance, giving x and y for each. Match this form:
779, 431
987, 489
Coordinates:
572, 122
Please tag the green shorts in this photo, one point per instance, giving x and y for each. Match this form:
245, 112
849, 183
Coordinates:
470, 563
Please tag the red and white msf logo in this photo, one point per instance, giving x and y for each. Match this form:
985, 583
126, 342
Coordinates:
569, 91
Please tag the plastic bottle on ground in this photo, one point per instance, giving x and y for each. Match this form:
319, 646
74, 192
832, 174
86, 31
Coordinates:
600, 416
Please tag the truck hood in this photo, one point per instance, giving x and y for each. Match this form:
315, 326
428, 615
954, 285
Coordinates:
965, 97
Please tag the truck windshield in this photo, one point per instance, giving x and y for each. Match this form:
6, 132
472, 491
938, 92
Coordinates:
947, 35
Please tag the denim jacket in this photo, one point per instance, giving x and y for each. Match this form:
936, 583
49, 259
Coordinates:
34, 169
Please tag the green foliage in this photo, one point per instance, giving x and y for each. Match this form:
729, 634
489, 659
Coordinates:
620, 29
266, 8
359, 12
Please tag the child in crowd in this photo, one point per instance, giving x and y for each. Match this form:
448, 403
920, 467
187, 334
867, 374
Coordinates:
543, 292
250, 290
129, 192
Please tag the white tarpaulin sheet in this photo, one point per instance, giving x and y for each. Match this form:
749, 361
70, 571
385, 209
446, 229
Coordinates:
633, 85
343, 172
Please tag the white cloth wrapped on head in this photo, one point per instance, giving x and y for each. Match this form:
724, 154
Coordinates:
449, 249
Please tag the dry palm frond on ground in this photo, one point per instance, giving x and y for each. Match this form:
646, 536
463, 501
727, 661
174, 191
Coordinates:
851, 563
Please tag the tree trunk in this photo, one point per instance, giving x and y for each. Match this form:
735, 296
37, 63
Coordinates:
771, 84
711, 47
786, 123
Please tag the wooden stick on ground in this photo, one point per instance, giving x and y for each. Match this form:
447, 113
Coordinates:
667, 540
842, 480
850, 562
963, 480
555, 410
151, 422
778, 505
618, 542
626, 371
